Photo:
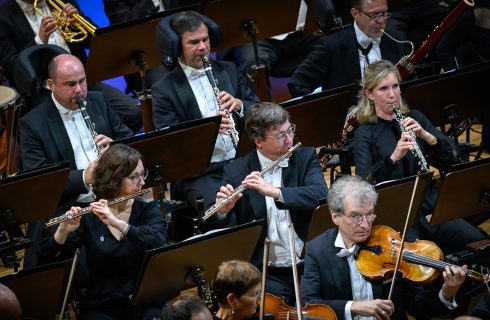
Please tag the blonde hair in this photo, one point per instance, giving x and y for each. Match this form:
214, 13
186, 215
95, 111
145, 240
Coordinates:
373, 74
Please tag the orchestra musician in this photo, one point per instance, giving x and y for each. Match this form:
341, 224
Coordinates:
339, 59
382, 153
288, 193
55, 131
236, 286
115, 238
185, 94
332, 278
185, 307
22, 27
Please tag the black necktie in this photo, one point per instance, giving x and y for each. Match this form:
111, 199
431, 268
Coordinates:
365, 52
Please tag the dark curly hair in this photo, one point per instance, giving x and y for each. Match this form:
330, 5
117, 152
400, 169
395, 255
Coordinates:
116, 163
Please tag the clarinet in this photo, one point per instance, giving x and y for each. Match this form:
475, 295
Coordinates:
214, 84
90, 125
211, 211
417, 153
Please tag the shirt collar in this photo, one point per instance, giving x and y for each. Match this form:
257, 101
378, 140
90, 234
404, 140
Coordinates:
363, 39
190, 72
65, 113
264, 161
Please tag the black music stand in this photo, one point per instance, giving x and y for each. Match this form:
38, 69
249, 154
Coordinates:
39, 289
465, 191
251, 21
40, 186
463, 88
135, 43
319, 118
166, 271
391, 208
177, 152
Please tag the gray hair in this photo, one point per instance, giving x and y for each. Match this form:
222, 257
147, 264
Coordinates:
264, 116
352, 187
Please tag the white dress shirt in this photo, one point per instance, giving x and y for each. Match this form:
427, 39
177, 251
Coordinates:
203, 92
278, 220
364, 41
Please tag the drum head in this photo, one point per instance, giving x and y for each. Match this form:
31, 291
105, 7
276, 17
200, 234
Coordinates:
7, 95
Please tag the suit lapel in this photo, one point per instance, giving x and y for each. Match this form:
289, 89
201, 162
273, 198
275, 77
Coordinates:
59, 135
186, 95
20, 21
350, 44
290, 174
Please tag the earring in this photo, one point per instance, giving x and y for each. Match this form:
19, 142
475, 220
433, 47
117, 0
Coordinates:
232, 310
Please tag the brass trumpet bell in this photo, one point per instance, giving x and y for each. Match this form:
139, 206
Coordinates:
72, 32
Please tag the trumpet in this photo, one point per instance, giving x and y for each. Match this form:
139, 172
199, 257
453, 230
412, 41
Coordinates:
72, 32
211, 211
70, 216
214, 84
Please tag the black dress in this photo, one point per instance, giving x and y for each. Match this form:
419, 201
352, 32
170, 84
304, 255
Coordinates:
113, 265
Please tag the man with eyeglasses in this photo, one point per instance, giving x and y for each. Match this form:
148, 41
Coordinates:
331, 276
340, 58
288, 193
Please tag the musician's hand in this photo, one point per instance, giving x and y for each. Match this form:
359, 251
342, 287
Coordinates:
88, 173
229, 102
223, 193
67, 226
102, 210
47, 27
70, 10
225, 124
402, 146
379, 309
256, 181
103, 142
453, 279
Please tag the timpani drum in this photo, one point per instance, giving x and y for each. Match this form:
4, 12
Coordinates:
9, 109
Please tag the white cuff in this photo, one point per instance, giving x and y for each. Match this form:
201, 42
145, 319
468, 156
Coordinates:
450, 304
347, 310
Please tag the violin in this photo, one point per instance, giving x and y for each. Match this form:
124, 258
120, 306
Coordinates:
276, 306
420, 260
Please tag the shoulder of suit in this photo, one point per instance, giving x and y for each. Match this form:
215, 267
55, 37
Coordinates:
39, 112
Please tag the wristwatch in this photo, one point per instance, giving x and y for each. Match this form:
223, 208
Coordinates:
434, 142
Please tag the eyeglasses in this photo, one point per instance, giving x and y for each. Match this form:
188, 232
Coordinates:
282, 136
376, 15
137, 175
357, 220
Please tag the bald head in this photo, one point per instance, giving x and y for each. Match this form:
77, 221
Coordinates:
64, 63
9, 304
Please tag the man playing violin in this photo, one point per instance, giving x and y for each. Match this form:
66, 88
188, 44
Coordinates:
331, 276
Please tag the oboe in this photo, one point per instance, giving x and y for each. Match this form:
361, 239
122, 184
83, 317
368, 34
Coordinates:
417, 153
90, 125
214, 84
211, 211
84, 211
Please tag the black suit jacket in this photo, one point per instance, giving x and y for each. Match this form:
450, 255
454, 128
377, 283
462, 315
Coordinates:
125, 10
326, 280
16, 35
44, 140
334, 62
174, 100
304, 187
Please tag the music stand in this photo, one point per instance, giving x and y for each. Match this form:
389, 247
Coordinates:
465, 191
432, 94
319, 118
41, 186
164, 151
165, 271
39, 289
391, 207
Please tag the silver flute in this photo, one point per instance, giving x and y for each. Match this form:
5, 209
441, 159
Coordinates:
90, 125
218, 205
415, 149
70, 216
214, 84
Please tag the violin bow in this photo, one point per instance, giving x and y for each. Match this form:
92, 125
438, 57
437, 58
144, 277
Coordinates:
70, 280
402, 243
292, 251
265, 260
